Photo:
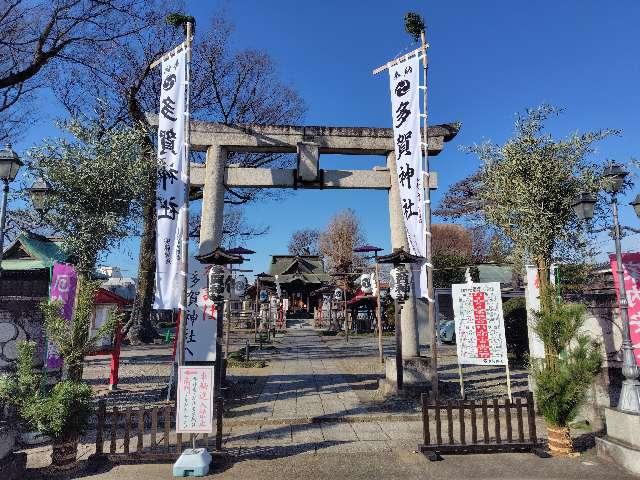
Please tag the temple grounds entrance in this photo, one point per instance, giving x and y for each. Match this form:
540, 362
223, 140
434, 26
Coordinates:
309, 143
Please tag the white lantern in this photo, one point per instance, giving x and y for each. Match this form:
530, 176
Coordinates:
240, 286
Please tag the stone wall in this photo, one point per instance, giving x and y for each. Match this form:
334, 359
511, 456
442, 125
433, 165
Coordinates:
20, 319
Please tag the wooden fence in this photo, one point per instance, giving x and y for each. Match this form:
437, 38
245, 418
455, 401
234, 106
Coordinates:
476, 418
142, 432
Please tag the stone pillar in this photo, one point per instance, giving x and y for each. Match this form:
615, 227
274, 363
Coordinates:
212, 200
409, 318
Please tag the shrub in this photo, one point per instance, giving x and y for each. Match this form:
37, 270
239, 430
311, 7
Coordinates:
62, 414
572, 361
515, 326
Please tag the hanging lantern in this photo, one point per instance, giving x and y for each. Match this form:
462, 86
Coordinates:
400, 283
240, 286
216, 283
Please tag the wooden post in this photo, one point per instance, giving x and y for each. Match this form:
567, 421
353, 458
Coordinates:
379, 311
217, 382
227, 310
100, 428
508, 381
427, 226
398, 333
115, 358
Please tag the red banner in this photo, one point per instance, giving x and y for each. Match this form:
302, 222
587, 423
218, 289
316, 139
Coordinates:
631, 269
480, 317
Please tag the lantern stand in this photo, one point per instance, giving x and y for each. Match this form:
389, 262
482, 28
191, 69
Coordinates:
375, 250
400, 289
215, 289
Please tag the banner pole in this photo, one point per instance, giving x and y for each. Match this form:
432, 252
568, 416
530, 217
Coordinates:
184, 260
427, 226
462, 394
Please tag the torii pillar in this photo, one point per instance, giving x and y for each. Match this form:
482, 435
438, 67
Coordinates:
309, 142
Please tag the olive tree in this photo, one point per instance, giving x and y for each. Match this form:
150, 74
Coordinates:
526, 187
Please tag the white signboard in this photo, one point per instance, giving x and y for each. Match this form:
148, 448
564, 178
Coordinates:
480, 337
194, 400
200, 318
172, 180
405, 105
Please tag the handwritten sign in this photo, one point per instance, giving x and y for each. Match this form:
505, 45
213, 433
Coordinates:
195, 400
480, 337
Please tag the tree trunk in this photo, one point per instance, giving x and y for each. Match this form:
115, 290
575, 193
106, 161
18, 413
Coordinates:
140, 328
544, 266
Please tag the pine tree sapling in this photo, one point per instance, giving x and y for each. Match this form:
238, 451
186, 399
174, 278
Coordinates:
72, 338
19, 389
572, 361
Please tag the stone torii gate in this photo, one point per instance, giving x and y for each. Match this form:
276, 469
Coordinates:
309, 142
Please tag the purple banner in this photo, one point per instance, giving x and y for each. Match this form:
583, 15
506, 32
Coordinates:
64, 281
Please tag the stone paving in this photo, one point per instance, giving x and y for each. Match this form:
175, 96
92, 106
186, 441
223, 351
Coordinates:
317, 393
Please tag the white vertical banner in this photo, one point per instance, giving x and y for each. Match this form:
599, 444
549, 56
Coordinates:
200, 317
172, 181
405, 107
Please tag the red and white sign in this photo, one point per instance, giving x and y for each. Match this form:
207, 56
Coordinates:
195, 400
631, 271
480, 337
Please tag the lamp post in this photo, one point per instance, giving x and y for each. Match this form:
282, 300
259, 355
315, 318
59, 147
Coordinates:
583, 206
10, 163
400, 289
38, 193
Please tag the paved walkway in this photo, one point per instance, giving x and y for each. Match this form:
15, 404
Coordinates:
318, 394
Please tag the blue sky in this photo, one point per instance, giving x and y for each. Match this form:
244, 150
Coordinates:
488, 60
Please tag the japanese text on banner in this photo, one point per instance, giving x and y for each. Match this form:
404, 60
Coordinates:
200, 317
172, 180
405, 105
480, 337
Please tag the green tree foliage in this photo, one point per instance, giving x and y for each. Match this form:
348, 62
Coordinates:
571, 362
451, 268
62, 413
95, 182
72, 338
515, 327
528, 185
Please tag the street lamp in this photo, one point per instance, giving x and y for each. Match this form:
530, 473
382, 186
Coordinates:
38, 193
630, 393
10, 163
400, 289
